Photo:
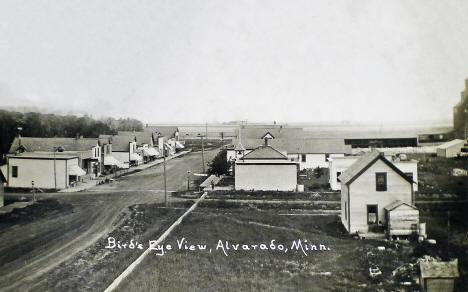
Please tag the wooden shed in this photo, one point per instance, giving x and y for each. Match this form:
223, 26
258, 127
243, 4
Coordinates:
401, 218
438, 276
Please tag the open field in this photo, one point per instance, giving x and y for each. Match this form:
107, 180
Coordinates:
342, 268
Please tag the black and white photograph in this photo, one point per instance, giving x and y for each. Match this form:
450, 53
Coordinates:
242, 145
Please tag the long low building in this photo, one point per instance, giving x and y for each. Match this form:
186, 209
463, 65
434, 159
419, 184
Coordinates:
451, 149
44, 171
308, 153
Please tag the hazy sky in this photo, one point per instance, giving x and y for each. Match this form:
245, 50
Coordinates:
213, 60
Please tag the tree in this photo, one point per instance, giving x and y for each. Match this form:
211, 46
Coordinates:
219, 165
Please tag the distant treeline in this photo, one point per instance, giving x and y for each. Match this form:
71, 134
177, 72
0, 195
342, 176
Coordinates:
51, 125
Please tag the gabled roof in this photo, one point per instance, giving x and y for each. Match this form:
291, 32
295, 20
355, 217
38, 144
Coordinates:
264, 152
166, 131
451, 143
397, 204
39, 144
141, 137
439, 269
363, 163
119, 143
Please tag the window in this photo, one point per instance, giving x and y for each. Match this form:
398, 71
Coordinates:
303, 157
338, 173
327, 156
409, 174
381, 181
14, 171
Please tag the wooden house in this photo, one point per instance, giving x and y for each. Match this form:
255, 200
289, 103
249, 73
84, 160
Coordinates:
367, 187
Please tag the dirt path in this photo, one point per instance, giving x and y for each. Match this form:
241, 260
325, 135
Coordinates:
30, 250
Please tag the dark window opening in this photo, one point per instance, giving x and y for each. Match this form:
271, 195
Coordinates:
303, 158
338, 173
14, 171
381, 181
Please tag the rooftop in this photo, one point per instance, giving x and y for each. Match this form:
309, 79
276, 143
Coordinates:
363, 163
34, 144
265, 153
439, 269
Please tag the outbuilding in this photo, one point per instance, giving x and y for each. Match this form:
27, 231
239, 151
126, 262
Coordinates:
438, 276
402, 219
265, 168
450, 149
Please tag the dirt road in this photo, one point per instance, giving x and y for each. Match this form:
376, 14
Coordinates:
29, 250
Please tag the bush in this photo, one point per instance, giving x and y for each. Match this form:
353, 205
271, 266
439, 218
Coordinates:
219, 165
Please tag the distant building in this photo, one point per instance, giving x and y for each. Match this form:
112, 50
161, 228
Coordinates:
124, 149
369, 185
145, 142
46, 171
451, 149
265, 168
460, 115
86, 149
338, 165
308, 153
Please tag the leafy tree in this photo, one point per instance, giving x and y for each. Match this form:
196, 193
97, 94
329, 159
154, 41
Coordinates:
50, 125
219, 165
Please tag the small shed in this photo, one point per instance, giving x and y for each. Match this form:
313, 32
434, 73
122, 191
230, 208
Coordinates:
450, 149
401, 218
438, 276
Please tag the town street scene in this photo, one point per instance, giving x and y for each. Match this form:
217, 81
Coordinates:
233, 146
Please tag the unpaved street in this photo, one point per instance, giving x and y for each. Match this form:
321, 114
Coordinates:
29, 250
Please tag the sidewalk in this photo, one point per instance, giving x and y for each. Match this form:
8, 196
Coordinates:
92, 183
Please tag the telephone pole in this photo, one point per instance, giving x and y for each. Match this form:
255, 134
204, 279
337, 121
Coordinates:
202, 153
164, 166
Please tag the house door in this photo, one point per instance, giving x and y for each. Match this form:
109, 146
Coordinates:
372, 216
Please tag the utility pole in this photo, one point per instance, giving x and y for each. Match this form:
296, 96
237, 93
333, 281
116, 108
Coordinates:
164, 166
448, 232
33, 191
55, 172
188, 180
202, 153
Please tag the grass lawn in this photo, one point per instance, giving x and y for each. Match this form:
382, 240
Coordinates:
342, 268
435, 178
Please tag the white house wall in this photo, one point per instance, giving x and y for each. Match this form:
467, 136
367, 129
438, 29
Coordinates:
363, 193
312, 160
266, 177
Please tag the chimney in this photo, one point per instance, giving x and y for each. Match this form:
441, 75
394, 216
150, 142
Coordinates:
266, 141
